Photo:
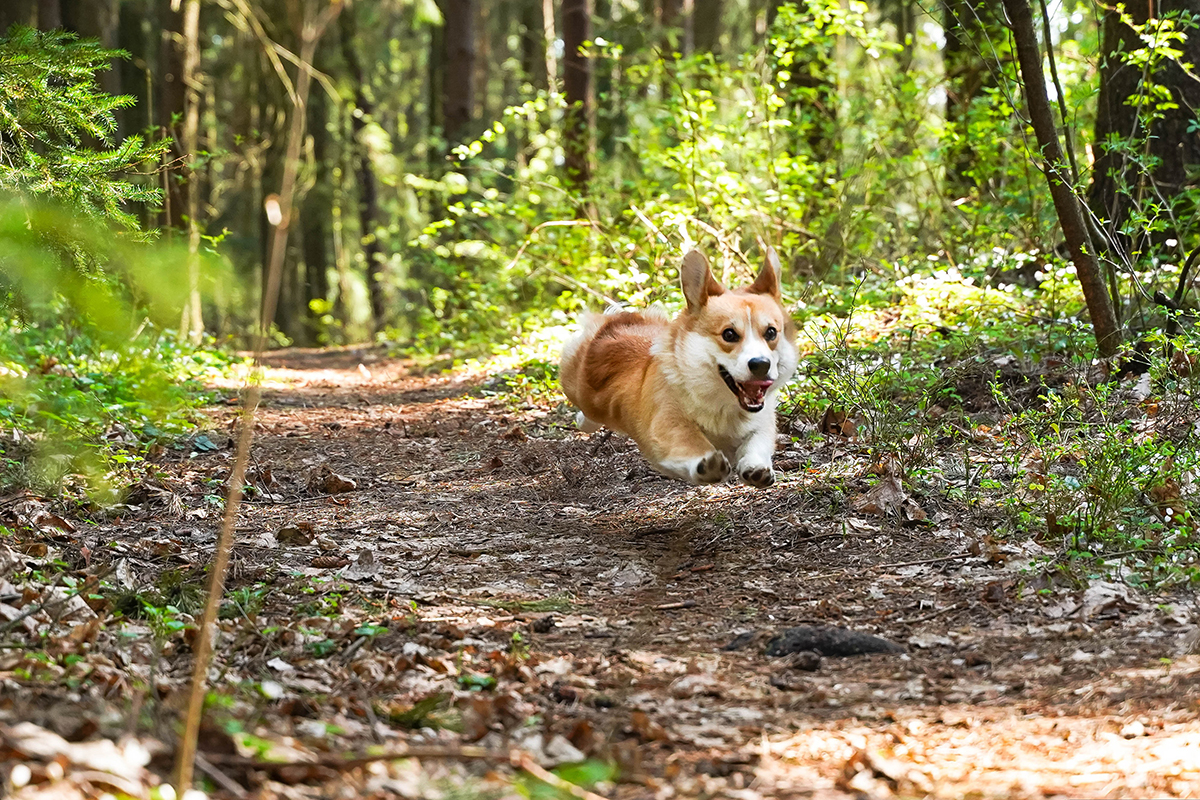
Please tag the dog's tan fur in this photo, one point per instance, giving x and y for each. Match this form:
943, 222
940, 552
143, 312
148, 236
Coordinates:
661, 381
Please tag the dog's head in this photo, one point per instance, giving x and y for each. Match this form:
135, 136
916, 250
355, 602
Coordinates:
745, 335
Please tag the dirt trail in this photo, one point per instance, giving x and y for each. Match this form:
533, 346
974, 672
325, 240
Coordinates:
542, 589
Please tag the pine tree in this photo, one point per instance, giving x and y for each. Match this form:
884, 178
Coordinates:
58, 129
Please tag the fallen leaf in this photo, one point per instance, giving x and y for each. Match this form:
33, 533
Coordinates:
296, 533
323, 480
837, 422
887, 498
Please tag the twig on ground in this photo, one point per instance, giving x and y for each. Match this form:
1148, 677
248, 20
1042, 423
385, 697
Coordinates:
938, 560
601, 440
218, 777
673, 606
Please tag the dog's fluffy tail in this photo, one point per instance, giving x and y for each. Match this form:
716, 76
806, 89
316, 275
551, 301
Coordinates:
569, 364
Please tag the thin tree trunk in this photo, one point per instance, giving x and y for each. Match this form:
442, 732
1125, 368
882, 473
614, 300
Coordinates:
186, 752
191, 324
551, 36
688, 45
368, 193
577, 85
1070, 211
483, 63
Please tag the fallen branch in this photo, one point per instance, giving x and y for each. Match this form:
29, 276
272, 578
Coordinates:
938, 560
465, 753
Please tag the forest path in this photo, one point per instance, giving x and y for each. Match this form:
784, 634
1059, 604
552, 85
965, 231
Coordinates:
500, 519
496, 577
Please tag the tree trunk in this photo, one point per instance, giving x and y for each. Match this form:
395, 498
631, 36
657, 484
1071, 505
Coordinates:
458, 88
577, 84
49, 15
483, 62
133, 74
672, 19
437, 78
368, 193
1066, 204
533, 44
315, 216
172, 107
550, 37
191, 325
91, 19
1118, 182
706, 25
18, 12
902, 14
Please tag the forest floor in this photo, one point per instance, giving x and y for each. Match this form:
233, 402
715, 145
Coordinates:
496, 580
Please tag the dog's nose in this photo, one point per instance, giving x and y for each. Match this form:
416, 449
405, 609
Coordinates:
759, 367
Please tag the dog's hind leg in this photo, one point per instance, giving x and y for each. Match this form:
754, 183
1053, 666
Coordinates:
586, 425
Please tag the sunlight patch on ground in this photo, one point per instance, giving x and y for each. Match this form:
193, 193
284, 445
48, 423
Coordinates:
992, 753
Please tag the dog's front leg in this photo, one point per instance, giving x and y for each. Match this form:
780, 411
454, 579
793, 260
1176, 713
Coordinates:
755, 454
677, 447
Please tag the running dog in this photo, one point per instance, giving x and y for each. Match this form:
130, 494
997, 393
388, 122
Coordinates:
697, 393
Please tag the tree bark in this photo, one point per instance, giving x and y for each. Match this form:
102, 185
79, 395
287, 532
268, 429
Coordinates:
578, 121
368, 192
1117, 180
49, 15
458, 100
550, 36
1066, 204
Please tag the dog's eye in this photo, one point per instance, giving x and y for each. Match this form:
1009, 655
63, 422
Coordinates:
770, 333
730, 335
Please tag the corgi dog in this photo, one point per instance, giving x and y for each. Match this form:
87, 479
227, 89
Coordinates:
697, 394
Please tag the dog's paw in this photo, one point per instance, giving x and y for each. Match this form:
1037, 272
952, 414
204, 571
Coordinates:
759, 476
713, 468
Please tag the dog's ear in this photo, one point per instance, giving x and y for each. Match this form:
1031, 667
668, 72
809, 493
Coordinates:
770, 277
698, 281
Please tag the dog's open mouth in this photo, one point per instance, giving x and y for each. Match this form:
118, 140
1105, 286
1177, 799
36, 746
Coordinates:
750, 394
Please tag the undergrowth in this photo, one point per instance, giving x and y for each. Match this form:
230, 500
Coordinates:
78, 411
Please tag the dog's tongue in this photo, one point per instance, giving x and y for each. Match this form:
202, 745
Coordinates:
752, 392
